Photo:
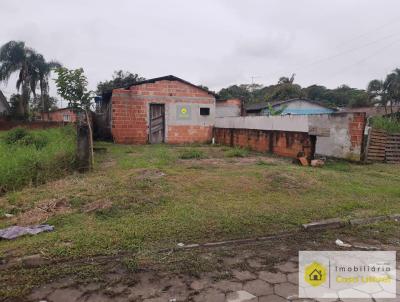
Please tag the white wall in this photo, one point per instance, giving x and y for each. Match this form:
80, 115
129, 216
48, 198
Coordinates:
293, 123
333, 136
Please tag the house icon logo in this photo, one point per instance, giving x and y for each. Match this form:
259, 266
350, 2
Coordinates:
315, 274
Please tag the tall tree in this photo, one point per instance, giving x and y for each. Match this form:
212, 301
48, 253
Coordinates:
72, 86
392, 86
40, 78
120, 79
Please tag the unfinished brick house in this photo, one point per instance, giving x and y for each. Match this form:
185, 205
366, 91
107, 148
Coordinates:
166, 109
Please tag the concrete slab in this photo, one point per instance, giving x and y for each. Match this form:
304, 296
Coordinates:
240, 296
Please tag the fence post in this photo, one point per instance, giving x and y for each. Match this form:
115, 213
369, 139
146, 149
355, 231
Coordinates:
83, 146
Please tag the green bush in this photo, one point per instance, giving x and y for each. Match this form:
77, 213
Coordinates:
21, 136
33, 157
391, 125
15, 135
191, 154
237, 152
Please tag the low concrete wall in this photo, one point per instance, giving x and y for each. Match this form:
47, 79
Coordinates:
293, 123
337, 135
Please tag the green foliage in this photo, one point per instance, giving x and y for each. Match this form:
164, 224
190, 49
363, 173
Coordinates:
72, 86
237, 152
286, 89
386, 91
15, 135
33, 157
120, 79
390, 125
272, 111
191, 154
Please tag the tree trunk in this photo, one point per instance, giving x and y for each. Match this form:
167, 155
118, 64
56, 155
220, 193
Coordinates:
90, 139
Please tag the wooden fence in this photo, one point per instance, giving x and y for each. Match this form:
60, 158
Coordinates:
383, 147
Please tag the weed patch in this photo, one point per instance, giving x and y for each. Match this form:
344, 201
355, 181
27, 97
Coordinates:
191, 154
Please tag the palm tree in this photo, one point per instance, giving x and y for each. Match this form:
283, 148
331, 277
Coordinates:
14, 57
387, 91
40, 77
32, 68
377, 92
392, 84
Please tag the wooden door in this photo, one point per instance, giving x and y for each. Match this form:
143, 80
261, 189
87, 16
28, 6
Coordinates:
157, 123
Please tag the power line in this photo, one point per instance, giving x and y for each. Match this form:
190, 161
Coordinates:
380, 50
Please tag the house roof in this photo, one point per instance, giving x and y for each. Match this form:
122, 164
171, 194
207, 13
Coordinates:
262, 105
107, 94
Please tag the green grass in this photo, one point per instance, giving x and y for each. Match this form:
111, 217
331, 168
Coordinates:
391, 125
33, 157
157, 200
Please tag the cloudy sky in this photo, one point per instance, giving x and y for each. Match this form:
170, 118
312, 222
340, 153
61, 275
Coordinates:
213, 42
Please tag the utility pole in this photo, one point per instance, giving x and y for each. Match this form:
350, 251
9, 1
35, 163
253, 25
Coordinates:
252, 86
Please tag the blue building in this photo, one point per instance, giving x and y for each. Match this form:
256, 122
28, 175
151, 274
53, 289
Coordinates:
292, 106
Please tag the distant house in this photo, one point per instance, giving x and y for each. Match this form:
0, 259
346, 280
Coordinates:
66, 115
292, 106
4, 107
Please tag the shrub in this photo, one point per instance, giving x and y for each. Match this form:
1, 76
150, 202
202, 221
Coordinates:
191, 153
237, 152
390, 125
15, 135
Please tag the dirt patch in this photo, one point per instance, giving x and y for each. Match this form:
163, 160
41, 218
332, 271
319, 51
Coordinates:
108, 164
288, 181
149, 174
229, 161
42, 211
97, 205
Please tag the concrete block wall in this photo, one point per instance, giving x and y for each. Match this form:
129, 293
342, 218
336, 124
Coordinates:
338, 135
228, 108
130, 112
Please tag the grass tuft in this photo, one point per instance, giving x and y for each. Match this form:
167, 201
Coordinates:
237, 152
191, 154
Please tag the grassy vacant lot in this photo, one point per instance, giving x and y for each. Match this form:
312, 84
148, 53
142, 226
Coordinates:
33, 157
139, 197
142, 198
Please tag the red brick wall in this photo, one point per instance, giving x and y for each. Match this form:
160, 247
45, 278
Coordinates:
129, 118
283, 143
356, 129
130, 112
